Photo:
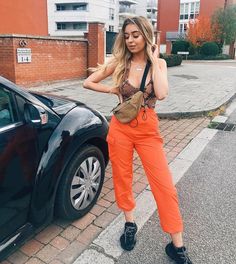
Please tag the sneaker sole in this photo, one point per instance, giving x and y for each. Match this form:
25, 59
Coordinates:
125, 247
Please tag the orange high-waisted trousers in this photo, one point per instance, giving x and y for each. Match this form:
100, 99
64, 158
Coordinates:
142, 134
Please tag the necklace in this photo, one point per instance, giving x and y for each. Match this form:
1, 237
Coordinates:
138, 67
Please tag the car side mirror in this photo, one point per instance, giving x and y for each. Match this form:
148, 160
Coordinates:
34, 114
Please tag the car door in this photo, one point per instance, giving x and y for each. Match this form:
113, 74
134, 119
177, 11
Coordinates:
18, 161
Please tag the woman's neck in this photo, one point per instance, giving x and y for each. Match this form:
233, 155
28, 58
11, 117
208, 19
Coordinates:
139, 58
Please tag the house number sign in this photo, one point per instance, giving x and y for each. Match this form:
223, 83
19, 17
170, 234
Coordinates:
23, 55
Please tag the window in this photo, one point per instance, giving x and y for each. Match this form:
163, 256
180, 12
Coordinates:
61, 26
72, 6
7, 108
189, 10
192, 7
80, 7
111, 28
197, 7
82, 26
186, 6
181, 9
60, 7
183, 27
111, 13
20, 105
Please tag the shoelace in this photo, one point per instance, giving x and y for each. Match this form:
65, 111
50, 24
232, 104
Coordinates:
129, 233
184, 256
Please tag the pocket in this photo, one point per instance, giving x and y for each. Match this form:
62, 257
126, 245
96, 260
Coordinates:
160, 138
111, 147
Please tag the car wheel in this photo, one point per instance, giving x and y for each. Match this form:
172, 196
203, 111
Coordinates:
81, 183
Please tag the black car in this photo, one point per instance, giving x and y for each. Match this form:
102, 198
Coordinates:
53, 154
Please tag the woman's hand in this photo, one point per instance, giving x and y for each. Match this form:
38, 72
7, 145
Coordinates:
155, 52
116, 91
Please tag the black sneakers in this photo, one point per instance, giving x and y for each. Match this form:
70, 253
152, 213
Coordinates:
179, 255
128, 239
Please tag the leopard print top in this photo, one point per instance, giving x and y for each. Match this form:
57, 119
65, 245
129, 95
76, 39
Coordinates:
127, 90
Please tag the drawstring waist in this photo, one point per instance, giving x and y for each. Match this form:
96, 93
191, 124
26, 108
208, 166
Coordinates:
143, 116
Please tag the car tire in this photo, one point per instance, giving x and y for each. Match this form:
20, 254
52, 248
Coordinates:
81, 183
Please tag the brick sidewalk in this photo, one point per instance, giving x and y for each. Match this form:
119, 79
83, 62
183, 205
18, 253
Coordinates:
62, 242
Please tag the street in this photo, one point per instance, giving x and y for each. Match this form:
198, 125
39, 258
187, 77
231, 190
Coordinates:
207, 195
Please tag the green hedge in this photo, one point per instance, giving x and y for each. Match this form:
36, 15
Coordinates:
192, 49
172, 59
180, 45
209, 49
203, 57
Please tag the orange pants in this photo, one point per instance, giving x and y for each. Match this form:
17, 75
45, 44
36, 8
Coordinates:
143, 135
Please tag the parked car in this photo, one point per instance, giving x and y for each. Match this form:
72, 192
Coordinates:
53, 154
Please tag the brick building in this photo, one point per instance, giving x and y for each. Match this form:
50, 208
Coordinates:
29, 56
24, 17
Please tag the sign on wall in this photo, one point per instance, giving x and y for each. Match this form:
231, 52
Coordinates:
23, 55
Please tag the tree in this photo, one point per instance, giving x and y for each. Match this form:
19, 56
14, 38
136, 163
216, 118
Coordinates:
224, 27
200, 31
224, 24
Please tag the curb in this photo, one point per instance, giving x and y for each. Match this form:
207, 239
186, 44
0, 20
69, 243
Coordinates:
201, 113
178, 115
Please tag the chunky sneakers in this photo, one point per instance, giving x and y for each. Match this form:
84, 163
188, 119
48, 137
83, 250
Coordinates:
128, 239
179, 255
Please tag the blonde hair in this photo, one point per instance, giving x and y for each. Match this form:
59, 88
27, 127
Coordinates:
121, 55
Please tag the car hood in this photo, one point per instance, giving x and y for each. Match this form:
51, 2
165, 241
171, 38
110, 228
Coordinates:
58, 104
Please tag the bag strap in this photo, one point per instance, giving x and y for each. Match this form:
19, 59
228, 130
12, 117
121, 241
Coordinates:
142, 86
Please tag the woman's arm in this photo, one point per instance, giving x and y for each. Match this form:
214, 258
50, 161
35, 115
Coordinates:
159, 75
93, 81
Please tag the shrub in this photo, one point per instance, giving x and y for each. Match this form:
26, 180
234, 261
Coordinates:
172, 59
209, 49
192, 49
203, 57
180, 45
220, 46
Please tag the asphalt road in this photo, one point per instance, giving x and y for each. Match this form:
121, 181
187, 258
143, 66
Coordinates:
207, 195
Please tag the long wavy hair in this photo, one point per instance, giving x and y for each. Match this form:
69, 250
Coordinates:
120, 52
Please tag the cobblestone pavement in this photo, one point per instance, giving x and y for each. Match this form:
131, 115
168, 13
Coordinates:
195, 88
62, 242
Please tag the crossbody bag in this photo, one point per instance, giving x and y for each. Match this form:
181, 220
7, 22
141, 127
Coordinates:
128, 110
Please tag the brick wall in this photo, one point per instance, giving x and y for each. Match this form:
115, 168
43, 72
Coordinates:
168, 17
7, 55
53, 59
96, 44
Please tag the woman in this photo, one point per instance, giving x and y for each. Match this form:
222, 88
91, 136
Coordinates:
132, 49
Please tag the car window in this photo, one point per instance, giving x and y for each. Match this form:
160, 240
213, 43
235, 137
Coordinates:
7, 108
20, 105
